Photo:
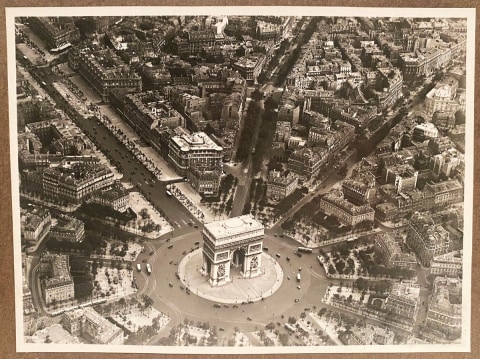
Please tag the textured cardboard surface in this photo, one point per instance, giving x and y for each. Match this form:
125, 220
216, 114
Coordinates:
7, 300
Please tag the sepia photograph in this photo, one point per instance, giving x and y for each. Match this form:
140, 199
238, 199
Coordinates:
247, 180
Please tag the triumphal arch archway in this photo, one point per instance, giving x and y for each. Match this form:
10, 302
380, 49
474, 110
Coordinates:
234, 244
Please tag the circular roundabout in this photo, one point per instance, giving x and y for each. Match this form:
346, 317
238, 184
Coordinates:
239, 290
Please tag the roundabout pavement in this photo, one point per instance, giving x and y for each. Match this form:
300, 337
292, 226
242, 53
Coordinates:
239, 289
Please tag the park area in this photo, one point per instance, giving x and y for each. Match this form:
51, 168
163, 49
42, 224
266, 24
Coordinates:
133, 315
109, 282
353, 259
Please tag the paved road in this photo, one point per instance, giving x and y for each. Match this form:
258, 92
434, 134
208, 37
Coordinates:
178, 305
246, 176
134, 171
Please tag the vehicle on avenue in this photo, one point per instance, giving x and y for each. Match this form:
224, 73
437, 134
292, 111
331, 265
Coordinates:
289, 327
304, 249
149, 268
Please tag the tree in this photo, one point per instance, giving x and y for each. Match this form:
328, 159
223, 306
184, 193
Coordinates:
257, 95
331, 270
270, 104
459, 117
322, 311
122, 302
283, 338
342, 171
292, 320
144, 213
270, 326
147, 301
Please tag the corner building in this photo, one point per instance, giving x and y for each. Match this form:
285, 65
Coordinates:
197, 157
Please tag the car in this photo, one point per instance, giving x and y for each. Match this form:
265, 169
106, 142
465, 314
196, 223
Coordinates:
226, 306
168, 240
196, 226
197, 243
216, 305
296, 300
221, 329
170, 246
288, 277
171, 262
299, 269
175, 263
235, 306
277, 255
249, 319
288, 258
170, 285
265, 249
276, 235
181, 287
151, 253
298, 254
190, 223
184, 252
298, 287
144, 260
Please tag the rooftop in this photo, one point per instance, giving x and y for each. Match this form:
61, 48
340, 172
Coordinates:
233, 226
196, 141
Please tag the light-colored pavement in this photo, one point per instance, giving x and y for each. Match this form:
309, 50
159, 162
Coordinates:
192, 201
137, 203
167, 172
239, 289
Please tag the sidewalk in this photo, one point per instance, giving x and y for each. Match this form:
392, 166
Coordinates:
137, 203
112, 120
238, 289
70, 208
35, 85
191, 201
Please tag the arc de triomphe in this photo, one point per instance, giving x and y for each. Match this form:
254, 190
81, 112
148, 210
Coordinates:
232, 244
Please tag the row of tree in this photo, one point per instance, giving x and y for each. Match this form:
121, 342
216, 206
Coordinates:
302, 39
247, 136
